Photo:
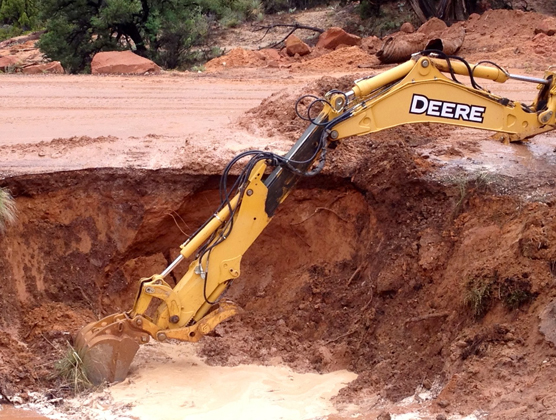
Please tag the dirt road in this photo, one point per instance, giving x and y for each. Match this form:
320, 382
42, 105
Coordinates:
50, 123
53, 123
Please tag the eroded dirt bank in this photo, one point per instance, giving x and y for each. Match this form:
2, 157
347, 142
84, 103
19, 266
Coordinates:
372, 268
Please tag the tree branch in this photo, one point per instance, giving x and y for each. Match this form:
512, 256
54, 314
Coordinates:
294, 26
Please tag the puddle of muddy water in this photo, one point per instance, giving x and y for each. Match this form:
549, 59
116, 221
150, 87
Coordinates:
193, 390
514, 159
8, 412
170, 382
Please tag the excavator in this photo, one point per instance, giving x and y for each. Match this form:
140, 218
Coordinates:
423, 89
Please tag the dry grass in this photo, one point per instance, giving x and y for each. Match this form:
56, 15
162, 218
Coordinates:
8, 211
70, 370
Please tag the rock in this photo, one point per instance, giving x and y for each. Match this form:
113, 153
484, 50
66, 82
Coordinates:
371, 44
547, 326
440, 417
336, 36
21, 39
432, 25
8, 62
294, 46
270, 54
384, 416
389, 282
53, 67
122, 62
407, 27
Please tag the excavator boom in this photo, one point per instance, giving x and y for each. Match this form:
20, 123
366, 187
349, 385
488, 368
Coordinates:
424, 89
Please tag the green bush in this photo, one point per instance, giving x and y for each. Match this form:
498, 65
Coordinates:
19, 13
170, 32
9, 31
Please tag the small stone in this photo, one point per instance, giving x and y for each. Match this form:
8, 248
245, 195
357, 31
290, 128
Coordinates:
384, 416
443, 403
407, 27
440, 417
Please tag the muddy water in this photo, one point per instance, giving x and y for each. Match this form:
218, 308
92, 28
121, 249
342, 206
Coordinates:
7, 412
191, 389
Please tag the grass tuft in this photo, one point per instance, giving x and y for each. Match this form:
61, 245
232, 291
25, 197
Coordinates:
71, 371
478, 295
481, 293
8, 211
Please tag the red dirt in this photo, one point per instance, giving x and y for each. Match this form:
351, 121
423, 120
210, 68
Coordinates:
368, 266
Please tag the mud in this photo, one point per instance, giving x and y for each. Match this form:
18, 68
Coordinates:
423, 259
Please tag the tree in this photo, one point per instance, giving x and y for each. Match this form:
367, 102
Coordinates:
163, 30
19, 13
447, 10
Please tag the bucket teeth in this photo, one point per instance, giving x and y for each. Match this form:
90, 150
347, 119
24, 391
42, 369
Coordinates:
107, 348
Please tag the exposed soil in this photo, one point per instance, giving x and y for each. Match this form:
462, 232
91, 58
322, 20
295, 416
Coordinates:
373, 266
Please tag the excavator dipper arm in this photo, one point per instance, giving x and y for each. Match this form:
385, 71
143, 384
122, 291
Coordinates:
413, 92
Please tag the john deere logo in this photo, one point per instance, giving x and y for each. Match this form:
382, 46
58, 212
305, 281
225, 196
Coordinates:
420, 104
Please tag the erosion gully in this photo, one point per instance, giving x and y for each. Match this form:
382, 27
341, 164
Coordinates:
374, 272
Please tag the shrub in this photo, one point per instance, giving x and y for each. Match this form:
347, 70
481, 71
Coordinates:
168, 31
19, 13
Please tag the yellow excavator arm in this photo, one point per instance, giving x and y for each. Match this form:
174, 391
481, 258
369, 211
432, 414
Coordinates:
424, 89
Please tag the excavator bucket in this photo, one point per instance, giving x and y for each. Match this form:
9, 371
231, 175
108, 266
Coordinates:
107, 348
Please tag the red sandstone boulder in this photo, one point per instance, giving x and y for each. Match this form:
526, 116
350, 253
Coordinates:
337, 36
294, 46
270, 54
52, 67
122, 62
7, 62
